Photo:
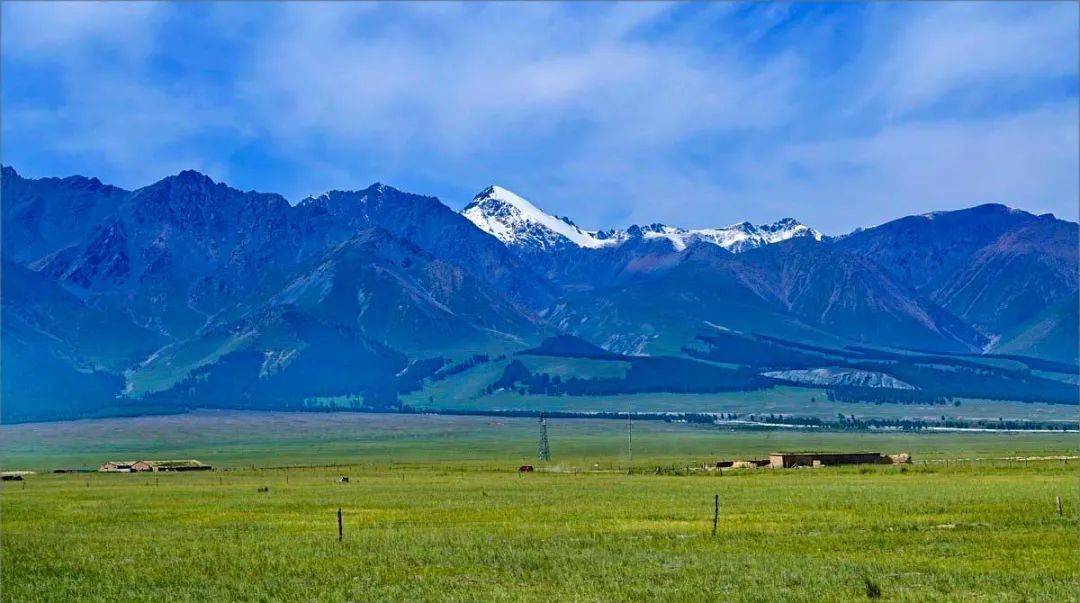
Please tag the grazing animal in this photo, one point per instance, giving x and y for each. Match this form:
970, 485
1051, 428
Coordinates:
264, 489
344, 479
525, 469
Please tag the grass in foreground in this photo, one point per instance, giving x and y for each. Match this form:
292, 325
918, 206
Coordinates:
447, 531
435, 510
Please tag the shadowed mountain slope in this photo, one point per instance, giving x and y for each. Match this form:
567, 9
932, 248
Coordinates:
189, 292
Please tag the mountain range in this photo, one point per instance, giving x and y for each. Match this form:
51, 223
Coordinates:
188, 292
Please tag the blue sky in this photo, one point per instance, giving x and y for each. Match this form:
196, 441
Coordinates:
841, 115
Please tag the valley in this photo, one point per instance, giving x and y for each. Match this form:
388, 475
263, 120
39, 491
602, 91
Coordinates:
539, 301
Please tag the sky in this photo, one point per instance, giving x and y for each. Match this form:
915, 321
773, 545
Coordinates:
839, 115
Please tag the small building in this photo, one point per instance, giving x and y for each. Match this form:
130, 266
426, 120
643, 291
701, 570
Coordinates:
155, 466
116, 466
182, 465
821, 459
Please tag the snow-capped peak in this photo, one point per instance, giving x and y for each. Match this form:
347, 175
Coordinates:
515, 221
735, 238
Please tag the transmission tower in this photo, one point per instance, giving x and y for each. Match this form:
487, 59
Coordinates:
543, 453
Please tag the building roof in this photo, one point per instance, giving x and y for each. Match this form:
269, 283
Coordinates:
813, 453
167, 463
176, 463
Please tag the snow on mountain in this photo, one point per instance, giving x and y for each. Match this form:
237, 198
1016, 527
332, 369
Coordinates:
515, 221
735, 238
840, 376
518, 223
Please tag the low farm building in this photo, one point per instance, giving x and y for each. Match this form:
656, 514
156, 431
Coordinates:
821, 459
742, 464
116, 466
135, 466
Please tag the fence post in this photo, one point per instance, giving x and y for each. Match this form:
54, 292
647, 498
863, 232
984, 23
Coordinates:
340, 535
716, 512
1057, 500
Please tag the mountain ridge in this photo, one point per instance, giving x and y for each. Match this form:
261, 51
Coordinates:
214, 293
518, 223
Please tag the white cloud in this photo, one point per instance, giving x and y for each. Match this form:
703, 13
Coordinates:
1026, 160
76, 30
111, 110
956, 45
610, 113
476, 79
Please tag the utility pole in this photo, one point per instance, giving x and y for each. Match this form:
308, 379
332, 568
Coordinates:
629, 433
543, 453
715, 512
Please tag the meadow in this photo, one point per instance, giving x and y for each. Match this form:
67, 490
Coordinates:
467, 391
435, 510
240, 439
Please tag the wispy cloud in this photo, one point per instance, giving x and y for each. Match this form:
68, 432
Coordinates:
1027, 160
81, 32
968, 47
842, 115
84, 89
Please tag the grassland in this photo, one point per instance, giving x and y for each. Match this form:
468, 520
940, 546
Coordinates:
237, 439
582, 368
435, 510
466, 391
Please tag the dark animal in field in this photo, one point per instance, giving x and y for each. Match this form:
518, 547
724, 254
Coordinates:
264, 489
344, 479
525, 469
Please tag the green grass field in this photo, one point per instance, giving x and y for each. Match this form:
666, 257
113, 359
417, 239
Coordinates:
436, 511
234, 439
466, 391
803, 402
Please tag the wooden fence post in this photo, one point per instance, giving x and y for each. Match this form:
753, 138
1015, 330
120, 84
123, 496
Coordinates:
340, 534
1057, 500
716, 512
